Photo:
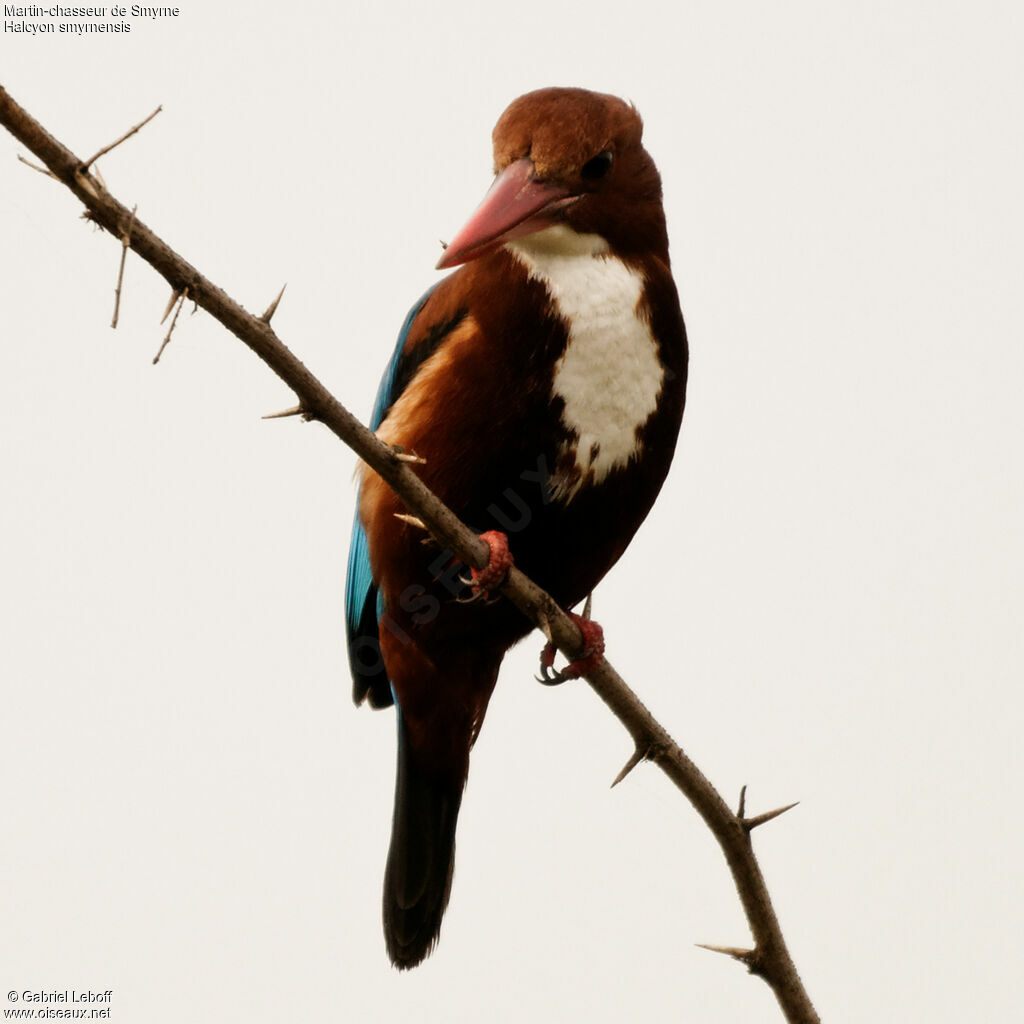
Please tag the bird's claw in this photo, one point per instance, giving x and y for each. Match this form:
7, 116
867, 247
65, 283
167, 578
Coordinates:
491, 576
590, 657
547, 660
472, 596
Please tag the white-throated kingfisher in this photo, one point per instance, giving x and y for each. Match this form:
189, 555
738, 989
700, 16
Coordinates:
542, 386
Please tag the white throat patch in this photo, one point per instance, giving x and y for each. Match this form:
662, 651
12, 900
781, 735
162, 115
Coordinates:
609, 376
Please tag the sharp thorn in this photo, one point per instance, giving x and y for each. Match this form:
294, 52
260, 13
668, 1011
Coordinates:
181, 297
411, 520
587, 605
295, 410
741, 810
84, 183
751, 823
637, 756
404, 456
175, 295
743, 955
272, 308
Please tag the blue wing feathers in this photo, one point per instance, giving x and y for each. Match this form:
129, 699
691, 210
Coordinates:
360, 578
363, 604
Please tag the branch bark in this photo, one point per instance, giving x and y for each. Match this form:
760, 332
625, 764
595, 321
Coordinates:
769, 958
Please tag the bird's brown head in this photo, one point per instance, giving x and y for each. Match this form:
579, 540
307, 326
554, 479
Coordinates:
573, 157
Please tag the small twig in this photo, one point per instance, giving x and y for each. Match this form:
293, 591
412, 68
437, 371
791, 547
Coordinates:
272, 308
36, 167
117, 142
170, 330
126, 241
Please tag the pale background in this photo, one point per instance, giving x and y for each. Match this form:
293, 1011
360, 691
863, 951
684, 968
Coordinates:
826, 603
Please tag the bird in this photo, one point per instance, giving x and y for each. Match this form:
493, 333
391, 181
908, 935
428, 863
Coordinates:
539, 389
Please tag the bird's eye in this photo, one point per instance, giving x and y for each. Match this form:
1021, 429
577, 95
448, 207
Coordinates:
597, 167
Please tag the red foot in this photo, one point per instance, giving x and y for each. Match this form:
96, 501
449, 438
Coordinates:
590, 657
493, 574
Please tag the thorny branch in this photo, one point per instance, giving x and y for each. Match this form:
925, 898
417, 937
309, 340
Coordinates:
769, 957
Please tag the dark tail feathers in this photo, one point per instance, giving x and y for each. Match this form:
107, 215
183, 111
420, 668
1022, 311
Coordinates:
421, 859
